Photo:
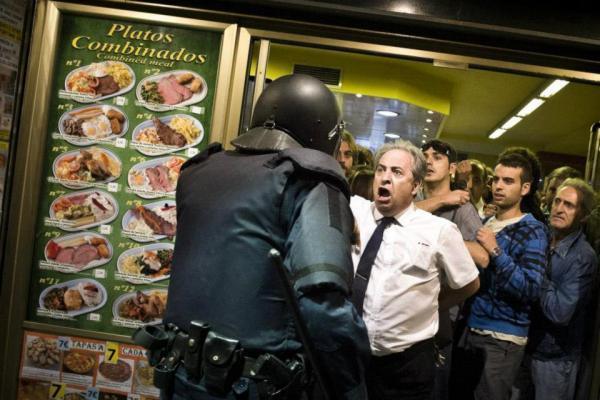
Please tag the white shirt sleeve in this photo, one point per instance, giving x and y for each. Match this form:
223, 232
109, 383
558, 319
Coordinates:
359, 205
454, 258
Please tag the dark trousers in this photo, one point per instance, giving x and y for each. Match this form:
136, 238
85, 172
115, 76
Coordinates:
408, 375
484, 368
442, 373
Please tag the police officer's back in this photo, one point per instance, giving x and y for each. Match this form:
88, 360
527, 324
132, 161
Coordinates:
279, 189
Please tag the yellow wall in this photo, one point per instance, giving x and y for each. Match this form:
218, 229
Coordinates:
365, 74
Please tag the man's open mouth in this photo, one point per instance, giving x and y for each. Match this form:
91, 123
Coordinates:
383, 192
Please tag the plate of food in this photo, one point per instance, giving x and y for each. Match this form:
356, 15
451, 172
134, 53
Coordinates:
84, 209
121, 371
86, 125
172, 88
155, 178
81, 251
152, 221
167, 134
43, 353
151, 262
145, 307
99, 81
79, 362
144, 373
80, 168
76, 297
33, 390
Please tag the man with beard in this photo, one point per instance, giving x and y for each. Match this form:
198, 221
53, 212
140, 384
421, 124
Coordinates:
562, 319
346, 153
487, 357
405, 252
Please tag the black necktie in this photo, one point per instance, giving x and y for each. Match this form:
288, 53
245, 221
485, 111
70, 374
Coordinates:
363, 272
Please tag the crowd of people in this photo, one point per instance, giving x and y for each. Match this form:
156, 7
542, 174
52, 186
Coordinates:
505, 295
405, 275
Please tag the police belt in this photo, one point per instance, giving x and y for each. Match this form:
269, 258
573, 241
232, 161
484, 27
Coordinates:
218, 360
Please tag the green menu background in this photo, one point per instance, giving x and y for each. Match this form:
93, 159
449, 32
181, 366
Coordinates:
67, 59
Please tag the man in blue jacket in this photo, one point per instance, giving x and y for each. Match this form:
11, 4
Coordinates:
490, 351
559, 325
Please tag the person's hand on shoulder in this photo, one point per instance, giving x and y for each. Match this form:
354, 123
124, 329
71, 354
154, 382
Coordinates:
456, 198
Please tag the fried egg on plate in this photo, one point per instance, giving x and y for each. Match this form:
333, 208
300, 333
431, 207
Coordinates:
97, 70
97, 127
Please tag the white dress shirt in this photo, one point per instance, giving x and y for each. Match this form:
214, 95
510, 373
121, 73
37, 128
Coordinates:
401, 302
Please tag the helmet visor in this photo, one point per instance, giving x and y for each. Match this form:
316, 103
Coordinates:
336, 136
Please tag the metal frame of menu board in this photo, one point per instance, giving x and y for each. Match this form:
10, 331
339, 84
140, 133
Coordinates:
30, 157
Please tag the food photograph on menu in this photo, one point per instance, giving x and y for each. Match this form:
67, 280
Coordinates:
87, 125
142, 307
152, 221
42, 353
155, 178
73, 298
101, 80
130, 103
85, 369
172, 88
167, 134
148, 263
79, 362
80, 251
84, 209
81, 167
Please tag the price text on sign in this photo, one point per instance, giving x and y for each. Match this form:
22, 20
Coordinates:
111, 355
92, 393
56, 391
64, 343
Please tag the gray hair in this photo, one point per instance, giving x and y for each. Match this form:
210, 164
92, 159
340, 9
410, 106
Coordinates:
585, 194
419, 164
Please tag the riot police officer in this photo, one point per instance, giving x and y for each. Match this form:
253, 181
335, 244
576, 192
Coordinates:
280, 188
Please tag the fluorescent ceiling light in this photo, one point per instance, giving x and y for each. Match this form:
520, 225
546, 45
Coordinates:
511, 122
391, 135
429, 112
530, 107
423, 141
428, 120
424, 136
497, 133
387, 113
553, 88
426, 129
358, 95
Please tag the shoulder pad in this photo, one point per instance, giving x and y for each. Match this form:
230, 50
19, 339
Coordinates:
203, 155
323, 166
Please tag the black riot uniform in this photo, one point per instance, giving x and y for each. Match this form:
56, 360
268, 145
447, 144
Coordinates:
232, 208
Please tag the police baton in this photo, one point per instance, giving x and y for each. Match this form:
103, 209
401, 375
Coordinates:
292, 302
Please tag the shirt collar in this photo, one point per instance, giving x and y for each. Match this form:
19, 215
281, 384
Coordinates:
563, 247
403, 217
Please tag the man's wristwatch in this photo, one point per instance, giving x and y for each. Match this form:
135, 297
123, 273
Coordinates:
496, 251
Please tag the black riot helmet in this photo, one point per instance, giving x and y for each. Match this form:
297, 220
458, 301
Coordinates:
302, 107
